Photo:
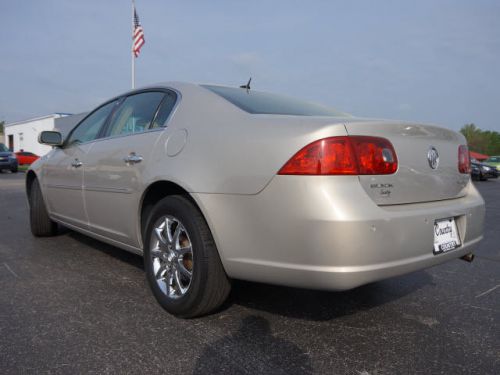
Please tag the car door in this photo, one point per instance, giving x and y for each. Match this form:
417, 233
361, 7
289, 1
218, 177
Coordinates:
62, 174
114, 169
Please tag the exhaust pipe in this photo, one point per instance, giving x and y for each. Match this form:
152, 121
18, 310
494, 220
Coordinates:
468, 257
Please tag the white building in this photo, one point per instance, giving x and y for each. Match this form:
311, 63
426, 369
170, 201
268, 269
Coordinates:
23, 135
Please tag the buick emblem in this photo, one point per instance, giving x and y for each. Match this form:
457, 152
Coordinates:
433, 157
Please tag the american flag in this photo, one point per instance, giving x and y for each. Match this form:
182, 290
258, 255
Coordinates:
138, 35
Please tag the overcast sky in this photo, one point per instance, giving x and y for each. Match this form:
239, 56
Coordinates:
432, 61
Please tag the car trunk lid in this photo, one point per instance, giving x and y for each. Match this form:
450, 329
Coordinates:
415, 180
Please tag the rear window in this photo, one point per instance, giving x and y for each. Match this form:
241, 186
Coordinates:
258, 102
3, 148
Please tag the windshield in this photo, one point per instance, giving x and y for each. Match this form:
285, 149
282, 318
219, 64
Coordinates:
3, 148
494, 159
258, 102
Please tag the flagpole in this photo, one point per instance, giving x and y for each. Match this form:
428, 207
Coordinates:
132, 46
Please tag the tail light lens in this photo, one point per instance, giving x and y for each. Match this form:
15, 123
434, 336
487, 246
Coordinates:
463, 159
345, 155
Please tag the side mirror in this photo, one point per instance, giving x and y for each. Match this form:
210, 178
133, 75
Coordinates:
51, 138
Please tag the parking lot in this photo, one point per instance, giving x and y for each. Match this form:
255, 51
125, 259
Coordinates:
70, 304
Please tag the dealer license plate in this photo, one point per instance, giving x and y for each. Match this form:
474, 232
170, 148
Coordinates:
446, 236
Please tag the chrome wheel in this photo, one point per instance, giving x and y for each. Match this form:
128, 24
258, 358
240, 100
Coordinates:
171, 255
183, 284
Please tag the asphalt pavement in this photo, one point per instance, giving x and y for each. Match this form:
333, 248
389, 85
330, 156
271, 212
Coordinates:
71, 305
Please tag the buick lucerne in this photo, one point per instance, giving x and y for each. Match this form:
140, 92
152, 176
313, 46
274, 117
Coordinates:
212, 183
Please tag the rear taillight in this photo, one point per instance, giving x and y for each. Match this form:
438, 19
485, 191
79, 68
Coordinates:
463, 159
345, 155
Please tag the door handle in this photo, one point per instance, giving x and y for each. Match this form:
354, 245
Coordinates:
77, 163
132, 158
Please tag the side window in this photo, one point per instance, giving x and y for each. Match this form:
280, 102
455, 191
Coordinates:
165, 109
135, 114
89, 128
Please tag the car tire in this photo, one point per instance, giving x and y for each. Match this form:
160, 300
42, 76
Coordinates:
14, 169
182, 264
40, 222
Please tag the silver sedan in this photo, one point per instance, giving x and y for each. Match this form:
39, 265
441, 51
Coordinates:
211, 183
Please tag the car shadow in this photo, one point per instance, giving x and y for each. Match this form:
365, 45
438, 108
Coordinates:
113, 251
317, 305
265, 353
312, 305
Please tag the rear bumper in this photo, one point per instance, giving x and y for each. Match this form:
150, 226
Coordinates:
326, 233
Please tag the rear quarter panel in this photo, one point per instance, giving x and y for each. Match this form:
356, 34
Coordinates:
226, 150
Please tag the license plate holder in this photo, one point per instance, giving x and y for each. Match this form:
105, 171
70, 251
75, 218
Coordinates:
446, 237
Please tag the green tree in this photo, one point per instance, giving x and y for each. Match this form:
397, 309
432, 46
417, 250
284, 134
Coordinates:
2, 123
485, 142
470, 130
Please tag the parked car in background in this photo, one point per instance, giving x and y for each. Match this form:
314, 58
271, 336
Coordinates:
482, 171
8, 159
25, 157
494, 161
475, 171
212, 183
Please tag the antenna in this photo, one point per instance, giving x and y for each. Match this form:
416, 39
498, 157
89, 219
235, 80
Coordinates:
247, 86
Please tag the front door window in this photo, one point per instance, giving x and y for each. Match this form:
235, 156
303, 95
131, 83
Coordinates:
88, 129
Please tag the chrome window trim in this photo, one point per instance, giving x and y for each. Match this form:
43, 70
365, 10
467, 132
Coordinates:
159, 108
123, 136
149, 130
174, 108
